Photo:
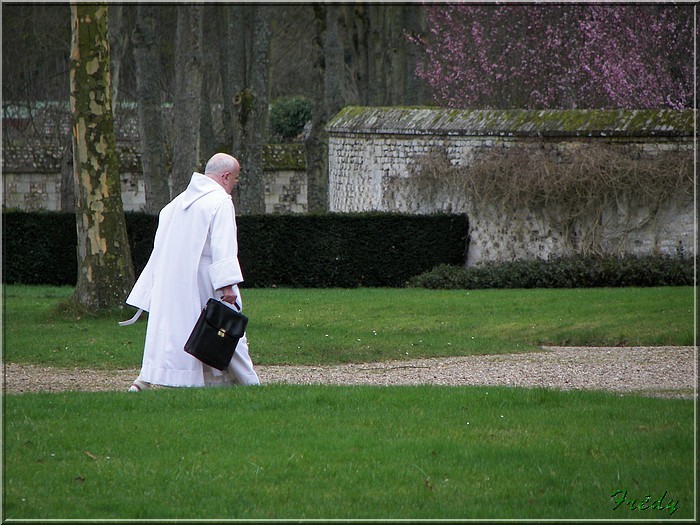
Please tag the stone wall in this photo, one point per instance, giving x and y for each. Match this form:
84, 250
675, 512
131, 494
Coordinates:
379, 162
32, 183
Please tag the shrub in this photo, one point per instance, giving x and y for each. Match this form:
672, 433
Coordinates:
346, 250
288, 116
564, 272
141, 230
39, 248
315, 251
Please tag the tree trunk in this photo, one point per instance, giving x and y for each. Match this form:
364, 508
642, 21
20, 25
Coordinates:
416, 92
378, 70
150, 104
238, 59
394, 52
118, 41
251, 115
355, 35
381, 66
227, 92
316, 144
236, 68
335, 85
105, 270
188, 87
207, 137
67, 181
208, 144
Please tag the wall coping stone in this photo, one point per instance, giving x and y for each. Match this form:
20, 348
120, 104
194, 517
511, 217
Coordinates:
515, 123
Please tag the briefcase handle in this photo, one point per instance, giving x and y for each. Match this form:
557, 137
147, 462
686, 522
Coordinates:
233, 306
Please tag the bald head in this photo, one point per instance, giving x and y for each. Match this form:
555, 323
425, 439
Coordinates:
224, 169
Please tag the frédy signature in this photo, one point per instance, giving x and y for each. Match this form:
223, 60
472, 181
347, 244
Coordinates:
644, 503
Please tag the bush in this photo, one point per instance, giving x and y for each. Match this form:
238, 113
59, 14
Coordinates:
564, 272
39, 248
315, 251
288, 116
141, 230
346, 250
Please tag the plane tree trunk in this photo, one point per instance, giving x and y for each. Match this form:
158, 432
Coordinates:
105, 269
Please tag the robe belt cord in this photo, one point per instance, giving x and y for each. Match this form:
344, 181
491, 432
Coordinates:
133, 319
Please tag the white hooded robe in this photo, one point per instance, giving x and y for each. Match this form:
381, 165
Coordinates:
195, 253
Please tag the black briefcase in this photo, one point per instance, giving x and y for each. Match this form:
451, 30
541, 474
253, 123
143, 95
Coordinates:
215, 335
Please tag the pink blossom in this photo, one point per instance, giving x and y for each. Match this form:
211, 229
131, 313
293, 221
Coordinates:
559, 55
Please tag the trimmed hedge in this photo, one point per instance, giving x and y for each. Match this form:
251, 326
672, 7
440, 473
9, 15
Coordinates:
564, 272
39, 248
347, 250
312, 251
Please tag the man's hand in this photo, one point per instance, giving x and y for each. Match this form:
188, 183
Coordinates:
228, 295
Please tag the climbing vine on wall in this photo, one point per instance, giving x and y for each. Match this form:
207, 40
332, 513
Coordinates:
569, 186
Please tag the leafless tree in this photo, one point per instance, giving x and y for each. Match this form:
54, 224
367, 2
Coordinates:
316, 143
150, 107
250, 34
188, 90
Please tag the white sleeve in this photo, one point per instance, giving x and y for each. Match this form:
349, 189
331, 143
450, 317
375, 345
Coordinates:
140, 295
225, 269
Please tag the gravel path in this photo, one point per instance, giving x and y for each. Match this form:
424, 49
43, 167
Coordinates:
669, 371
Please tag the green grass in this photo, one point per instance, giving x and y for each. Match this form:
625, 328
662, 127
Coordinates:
315, 452
322, 326
325, 452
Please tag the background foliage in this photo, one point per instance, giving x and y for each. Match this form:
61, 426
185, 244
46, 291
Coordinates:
340, 250
39, 248
330, 250
579, 271
573, 55
288, 115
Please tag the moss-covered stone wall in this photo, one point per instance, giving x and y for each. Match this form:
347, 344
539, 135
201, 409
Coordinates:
381, 159
32, 177
512, 123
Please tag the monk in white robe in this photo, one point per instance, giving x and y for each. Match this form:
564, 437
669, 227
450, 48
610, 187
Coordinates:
195, 257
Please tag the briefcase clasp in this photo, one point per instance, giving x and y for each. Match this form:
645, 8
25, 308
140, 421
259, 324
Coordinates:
221, 332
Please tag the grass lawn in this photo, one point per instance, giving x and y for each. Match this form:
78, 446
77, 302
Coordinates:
334, 452
321, 452
322, 326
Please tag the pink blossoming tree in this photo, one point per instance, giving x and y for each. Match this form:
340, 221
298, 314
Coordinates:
559, 56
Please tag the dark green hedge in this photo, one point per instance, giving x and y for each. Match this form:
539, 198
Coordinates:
39, 248
346, 250
329, 250
141, 229
564, 272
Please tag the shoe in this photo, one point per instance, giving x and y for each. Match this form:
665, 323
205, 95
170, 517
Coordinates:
138, 385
